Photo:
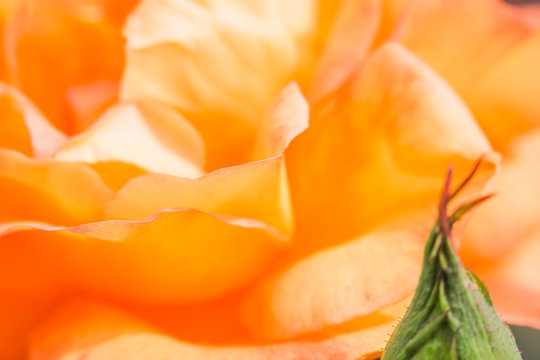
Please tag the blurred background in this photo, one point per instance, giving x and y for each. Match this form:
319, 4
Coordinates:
517, 2
528, 339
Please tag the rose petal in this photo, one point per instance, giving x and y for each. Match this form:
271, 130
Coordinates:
191, 29
89, 101
30, 287
256, 190
52, 46
146, 134
341, 283
381, 150
480, 58
176, 256
95, 332
505, 99
286, 117
49, 191
7, 8
219, 64
513, 282
351, 35
502, 243
432, 23
506, 219
23, 128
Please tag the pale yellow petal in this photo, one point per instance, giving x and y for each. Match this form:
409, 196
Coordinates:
146, 134
221, 64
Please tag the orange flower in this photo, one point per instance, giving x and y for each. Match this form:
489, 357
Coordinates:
261, 186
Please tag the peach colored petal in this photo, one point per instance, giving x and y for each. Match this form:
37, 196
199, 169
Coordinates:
425, 116
341, 283
479, 57
505, 99
146, 134
23, 128
221, 65
436, 32
513, 282
380, 150
256, 190
50, 191
505, 220
176, 256
95, 332
287, 116
351, 35
54, 45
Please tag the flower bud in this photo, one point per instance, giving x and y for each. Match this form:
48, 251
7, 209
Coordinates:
451, 315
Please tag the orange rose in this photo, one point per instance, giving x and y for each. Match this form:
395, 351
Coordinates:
261, 186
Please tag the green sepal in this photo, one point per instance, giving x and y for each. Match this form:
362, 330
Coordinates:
451, 316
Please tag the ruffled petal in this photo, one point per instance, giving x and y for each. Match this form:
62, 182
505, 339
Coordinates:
49, 191
221, 65
176, 256
341, 283
380, 150
95, 332
23, 128
257, 190
149, 135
